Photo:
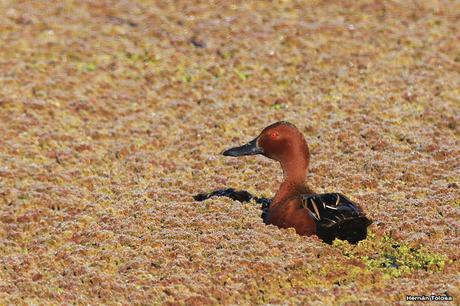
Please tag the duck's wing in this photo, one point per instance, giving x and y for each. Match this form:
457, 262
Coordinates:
336, 216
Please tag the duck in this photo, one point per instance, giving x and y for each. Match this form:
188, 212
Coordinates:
295, 205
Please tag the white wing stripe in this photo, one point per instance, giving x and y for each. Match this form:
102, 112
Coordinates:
315, 208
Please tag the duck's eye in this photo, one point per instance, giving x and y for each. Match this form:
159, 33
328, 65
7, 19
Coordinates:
273, 135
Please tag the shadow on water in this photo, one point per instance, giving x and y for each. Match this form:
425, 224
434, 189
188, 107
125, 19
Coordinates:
238, 195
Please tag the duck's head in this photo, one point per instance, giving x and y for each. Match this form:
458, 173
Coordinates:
281, 141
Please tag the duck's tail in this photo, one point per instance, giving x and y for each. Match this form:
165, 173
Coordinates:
337, 217
238, 195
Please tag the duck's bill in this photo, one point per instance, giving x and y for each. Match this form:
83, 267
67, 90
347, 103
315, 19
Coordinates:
251, 148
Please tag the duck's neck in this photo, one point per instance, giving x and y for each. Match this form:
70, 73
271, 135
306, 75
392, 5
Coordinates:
294, 175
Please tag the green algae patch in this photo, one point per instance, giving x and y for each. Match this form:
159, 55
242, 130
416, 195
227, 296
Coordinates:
455, 202
391, 257
243, 76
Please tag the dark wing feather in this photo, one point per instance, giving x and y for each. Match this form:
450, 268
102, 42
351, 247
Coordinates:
336, 217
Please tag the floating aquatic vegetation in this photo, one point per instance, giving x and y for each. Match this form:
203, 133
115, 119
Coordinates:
113, 115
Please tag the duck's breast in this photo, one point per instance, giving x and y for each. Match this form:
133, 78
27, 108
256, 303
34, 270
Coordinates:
291, 214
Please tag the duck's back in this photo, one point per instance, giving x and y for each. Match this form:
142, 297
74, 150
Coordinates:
336, 216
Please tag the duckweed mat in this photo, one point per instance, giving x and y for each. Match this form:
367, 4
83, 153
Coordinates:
113, 115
